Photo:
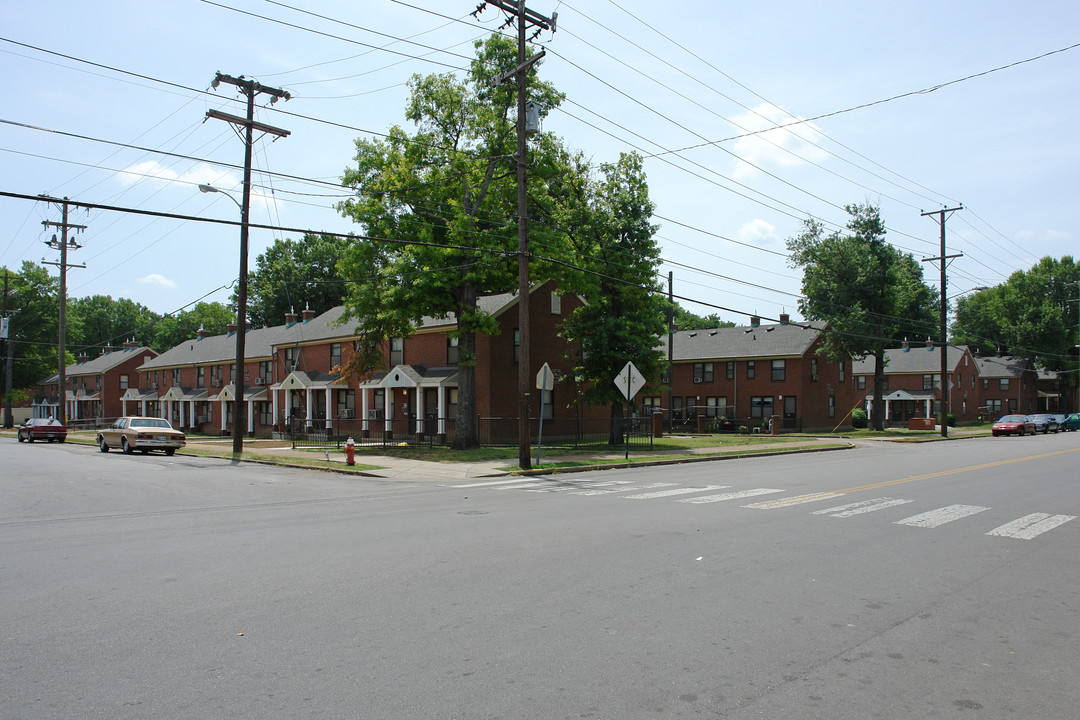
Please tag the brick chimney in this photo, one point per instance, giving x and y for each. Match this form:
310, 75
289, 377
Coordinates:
290, 318
755, 321
308, 313
230, 329
83, 357
130, 344
784, 318
202, 332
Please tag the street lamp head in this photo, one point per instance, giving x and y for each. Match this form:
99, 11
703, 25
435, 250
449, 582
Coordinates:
207, 188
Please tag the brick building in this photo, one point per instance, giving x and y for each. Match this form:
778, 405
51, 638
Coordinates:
94, 387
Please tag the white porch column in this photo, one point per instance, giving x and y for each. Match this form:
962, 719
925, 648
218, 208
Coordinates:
441, 410
251, 416
364, 407
142, 408
388, 402
123, 407
419, 409
273, 397
181, 404
223, 424
886, 418
928, 402
308, 405
329, 404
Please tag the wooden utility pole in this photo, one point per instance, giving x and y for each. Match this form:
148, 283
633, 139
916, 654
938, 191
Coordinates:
525, 18
5, 332
250, 88
63, 244
944, 313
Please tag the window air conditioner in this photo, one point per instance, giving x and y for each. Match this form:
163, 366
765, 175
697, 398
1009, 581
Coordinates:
697, 379
347, 414
260, 381
375, 414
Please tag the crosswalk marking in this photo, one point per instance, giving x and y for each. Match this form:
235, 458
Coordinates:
730, 496
1031, 526
947, 514
788, 502
608, 491
675, 491
568, 486
863, 506
494, 483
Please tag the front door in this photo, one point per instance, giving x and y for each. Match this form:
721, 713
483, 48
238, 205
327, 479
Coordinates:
431, 411
789, 411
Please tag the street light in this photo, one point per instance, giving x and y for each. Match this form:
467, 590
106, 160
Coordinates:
241, 323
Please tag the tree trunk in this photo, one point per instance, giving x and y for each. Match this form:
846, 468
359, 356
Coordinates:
616, 428
466, 435
878, 408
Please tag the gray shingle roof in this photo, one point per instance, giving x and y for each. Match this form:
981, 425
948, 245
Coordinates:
1002, 367
103, 363
916, 361
764, 341
217, 348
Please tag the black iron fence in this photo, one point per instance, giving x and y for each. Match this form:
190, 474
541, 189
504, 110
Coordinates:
727, 424
491, 432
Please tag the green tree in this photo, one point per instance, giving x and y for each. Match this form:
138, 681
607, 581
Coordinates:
625, 312
171, 330
1033, 313
871, 295
33, 303
295, 274
442, 202
103, 321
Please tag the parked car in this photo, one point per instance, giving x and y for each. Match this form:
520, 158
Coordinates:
1060, 421
1013, 425
42, 429
1072, 422
1044, 423
140, 433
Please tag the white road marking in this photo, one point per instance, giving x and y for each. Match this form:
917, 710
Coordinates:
797, 500
606, 491
858, 508
1031, 526
568, 485
947, 514
493, 483
730, 496
676, 491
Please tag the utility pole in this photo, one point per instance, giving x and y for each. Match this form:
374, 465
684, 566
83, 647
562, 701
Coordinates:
1076, 284
63, 245
944, 259
670, 347
5, 332
525, 18
250, 88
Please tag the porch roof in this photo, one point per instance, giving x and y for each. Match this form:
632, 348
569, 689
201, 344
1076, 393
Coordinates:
914, 395
409, 376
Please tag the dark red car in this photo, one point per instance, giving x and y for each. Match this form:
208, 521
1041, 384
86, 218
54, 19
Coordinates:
1013, 425
42, 429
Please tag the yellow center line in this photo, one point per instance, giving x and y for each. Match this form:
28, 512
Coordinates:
943, 473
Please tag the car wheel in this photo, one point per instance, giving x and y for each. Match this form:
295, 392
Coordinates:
21, 438
61, 440
144, 452
29, 438
102, 445
1021, 432
169, 451
126, 447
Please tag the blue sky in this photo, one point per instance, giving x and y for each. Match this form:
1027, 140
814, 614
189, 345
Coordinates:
638, 75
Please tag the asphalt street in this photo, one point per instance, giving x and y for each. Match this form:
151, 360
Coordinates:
889, 581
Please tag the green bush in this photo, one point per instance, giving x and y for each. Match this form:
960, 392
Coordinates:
858, 418
951, 420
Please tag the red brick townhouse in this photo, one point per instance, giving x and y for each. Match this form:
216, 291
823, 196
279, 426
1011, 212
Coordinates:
191, 384
1007, 385
750, 374
913, 383
94, 387
420, 385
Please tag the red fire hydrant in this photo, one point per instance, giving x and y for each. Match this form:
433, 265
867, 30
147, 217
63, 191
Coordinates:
350, 453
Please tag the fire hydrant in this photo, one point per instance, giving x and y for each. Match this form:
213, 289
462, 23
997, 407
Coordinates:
350, 453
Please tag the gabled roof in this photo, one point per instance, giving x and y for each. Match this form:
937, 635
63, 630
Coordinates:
916, 361
1002, 367
744, 342
104, 362
258, 343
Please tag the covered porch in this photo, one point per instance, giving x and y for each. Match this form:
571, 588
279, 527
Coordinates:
902, 405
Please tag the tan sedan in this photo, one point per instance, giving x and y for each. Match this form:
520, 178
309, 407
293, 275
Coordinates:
140, 433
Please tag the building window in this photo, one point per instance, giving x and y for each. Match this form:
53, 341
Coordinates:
649, 405
860, 382
730, 372
200, 376
715, 406
761, 406
931, 382
814, 370
123, 382
290, 359
677, 408
452, 353
832, 406
751, 369
703, 372
840, 368
556, 304
264, 371
993, 407
517, 345
779, 370
397, 351
266, 414
1003, 384
451, 403
346, 403
215, 376
176, 377
335, 354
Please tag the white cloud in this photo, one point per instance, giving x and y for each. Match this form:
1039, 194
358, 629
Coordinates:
776, 148
758, 232
158, 280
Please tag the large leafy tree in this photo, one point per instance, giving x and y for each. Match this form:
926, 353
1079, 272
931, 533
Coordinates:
296, 274
439, 206
612, 236
171, 330
104, 321
1033, 313
33, 306
871, 295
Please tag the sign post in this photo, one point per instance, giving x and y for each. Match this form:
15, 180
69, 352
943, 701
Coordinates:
629, 381
544, 381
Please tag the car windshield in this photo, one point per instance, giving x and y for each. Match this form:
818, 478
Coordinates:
150, 423
1013, 418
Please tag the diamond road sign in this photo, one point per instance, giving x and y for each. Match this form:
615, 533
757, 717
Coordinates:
629, 381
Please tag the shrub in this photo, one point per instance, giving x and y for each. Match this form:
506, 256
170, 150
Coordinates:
858, 418
951, 420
